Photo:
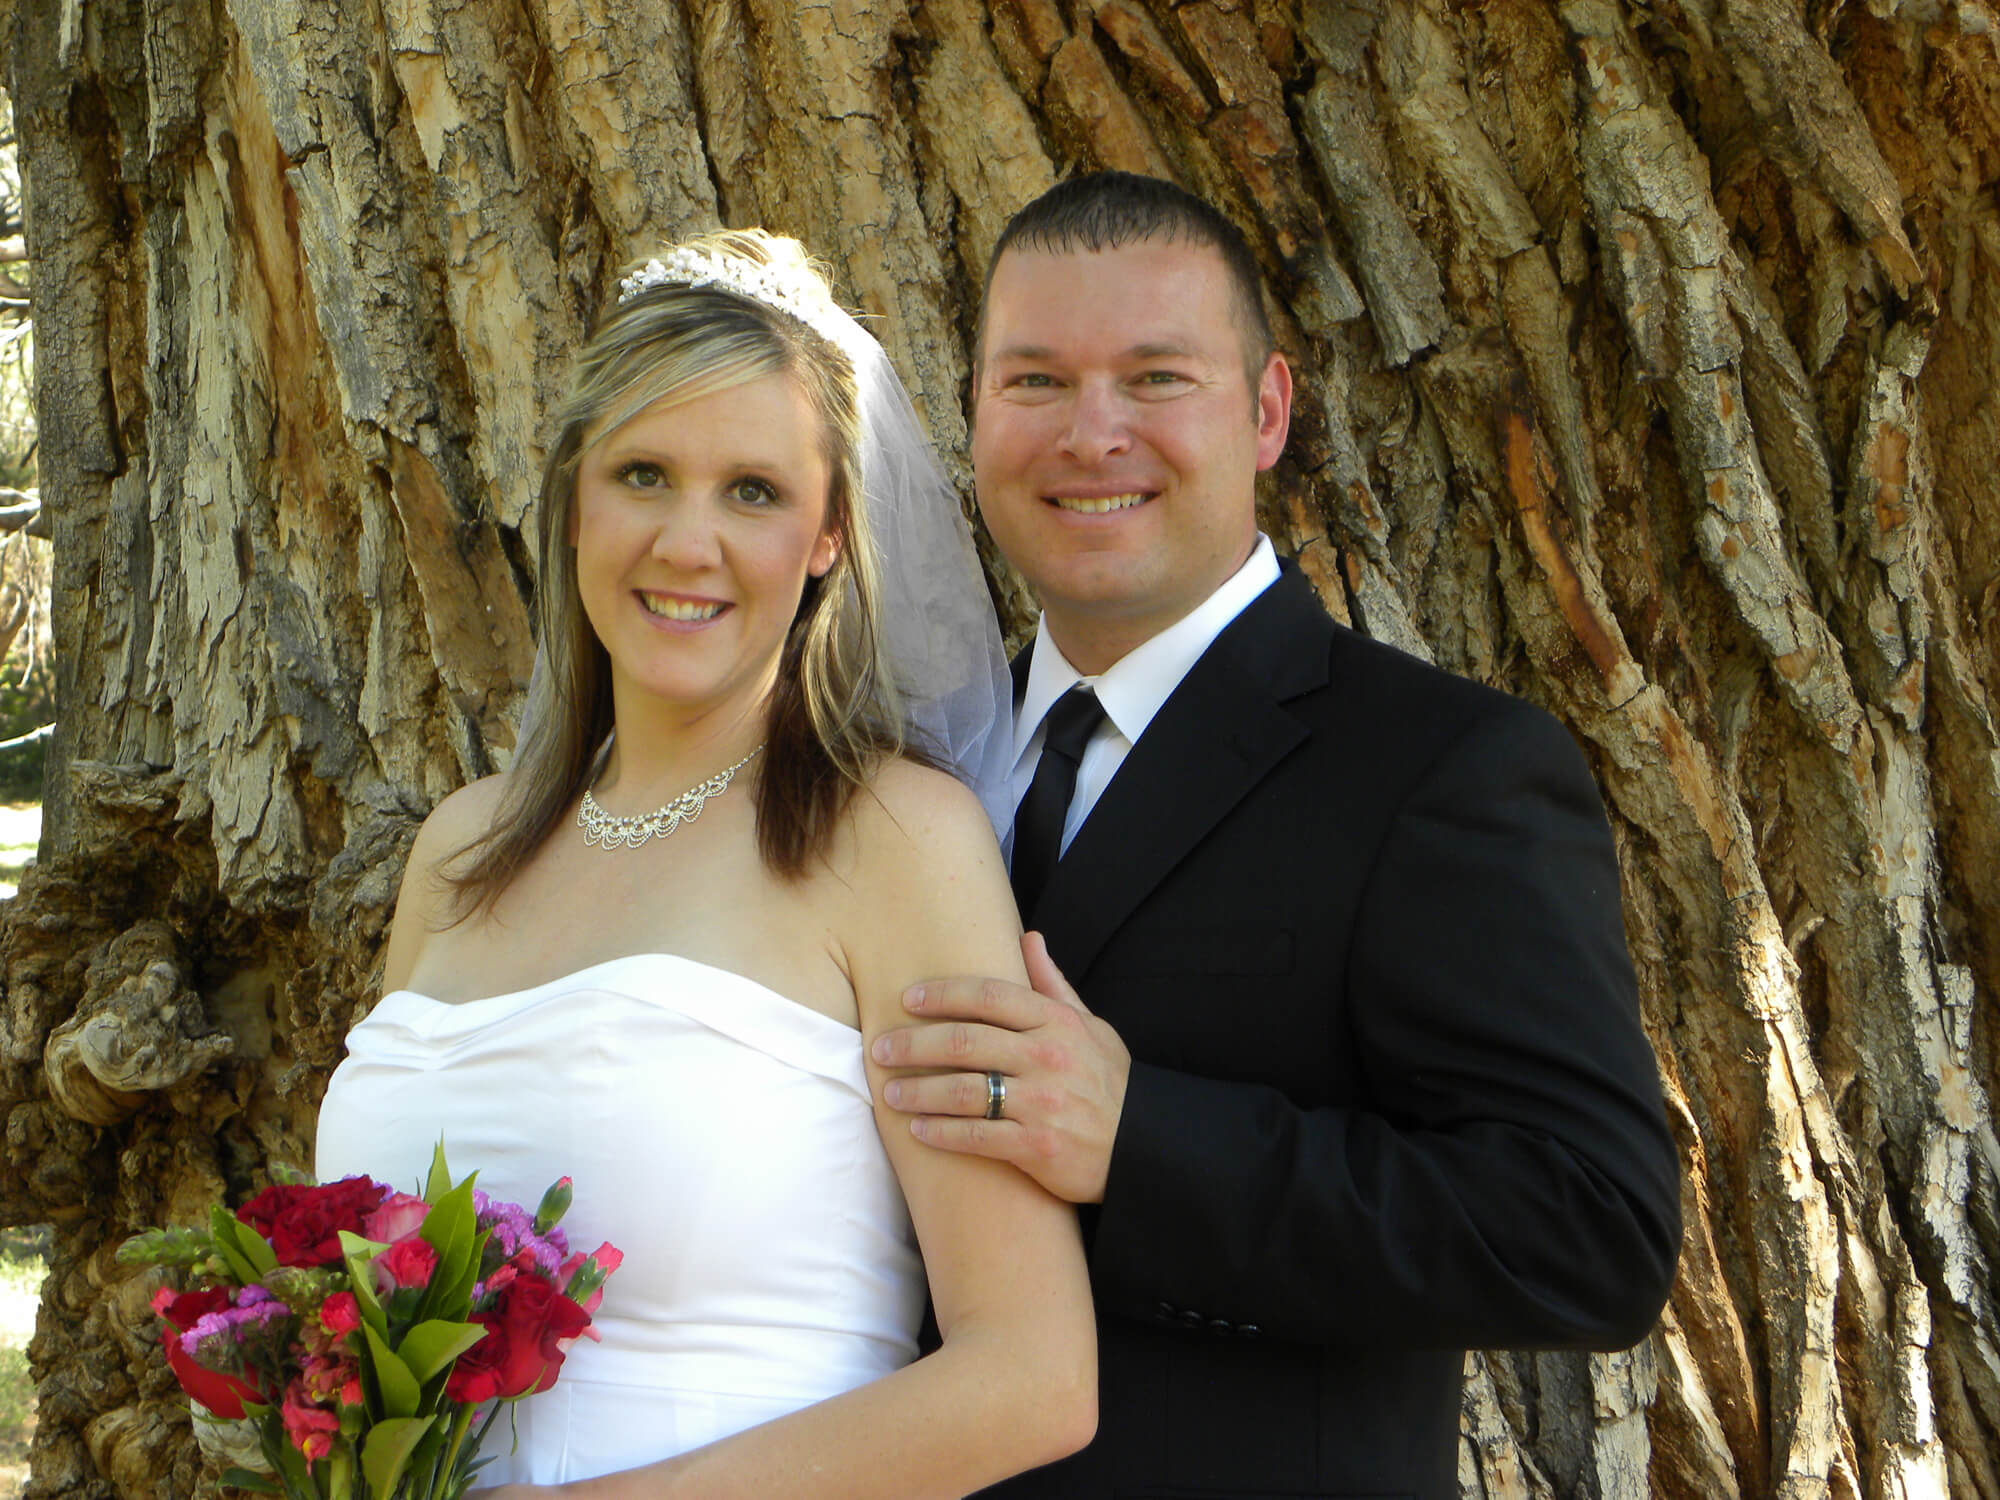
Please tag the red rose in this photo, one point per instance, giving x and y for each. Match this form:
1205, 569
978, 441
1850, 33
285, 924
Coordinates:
406, 1263
522, 1352
303, 1224
222, 1394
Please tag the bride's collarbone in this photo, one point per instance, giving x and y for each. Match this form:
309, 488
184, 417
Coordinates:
703, 893
545, 930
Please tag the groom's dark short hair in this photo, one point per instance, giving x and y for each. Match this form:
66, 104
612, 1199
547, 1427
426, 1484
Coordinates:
1107, 210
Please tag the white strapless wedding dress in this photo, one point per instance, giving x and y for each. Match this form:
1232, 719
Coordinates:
717, 1133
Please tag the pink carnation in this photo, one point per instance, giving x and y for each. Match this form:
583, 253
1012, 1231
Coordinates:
340, 1313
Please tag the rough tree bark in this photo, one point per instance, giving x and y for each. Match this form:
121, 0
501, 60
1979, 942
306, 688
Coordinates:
1648, 367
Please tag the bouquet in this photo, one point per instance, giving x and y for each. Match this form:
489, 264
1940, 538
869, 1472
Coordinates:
339, 1339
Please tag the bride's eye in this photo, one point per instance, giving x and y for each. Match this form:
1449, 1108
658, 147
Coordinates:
639, 475
753, 492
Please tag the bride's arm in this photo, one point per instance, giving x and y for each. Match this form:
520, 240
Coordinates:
1015, 1383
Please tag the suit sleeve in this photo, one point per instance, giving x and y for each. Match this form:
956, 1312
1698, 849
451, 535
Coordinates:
1506, 1179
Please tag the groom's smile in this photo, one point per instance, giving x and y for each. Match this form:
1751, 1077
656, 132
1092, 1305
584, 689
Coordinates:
1083, 505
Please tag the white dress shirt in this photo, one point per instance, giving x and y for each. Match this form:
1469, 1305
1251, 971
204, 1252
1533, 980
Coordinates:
1132, 689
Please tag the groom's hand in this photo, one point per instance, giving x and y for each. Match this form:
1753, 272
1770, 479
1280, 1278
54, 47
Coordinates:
1065, 1074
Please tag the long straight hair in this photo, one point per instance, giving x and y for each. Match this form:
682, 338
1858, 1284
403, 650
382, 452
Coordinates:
833, 714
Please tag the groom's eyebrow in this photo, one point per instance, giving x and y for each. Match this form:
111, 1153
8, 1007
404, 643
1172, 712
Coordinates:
1156, 349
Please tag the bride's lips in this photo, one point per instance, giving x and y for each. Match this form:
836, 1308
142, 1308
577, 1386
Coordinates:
1101, 504
679, 609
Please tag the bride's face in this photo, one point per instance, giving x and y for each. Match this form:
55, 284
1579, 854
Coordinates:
696, 526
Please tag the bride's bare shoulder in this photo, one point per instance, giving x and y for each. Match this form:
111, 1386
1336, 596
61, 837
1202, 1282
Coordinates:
427, 902
457, 821
913, 812
928, 893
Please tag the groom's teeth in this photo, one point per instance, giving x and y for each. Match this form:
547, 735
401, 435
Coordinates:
676, 609
1102, 503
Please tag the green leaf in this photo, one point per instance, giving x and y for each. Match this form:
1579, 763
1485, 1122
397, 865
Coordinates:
287, 1462
256, 1249
246, 1242
423, 1474
340, 1473
439, 1182
399, 1385
358, 1253
388, 1449
251, 1480
452, 1229
429, 1347
221, 1228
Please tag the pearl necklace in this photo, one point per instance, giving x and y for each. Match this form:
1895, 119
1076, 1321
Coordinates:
602, 830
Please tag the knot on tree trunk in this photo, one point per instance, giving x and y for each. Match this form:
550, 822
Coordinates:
139, 1030
135, 1446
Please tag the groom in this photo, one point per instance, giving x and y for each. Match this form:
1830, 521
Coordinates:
1360, 1083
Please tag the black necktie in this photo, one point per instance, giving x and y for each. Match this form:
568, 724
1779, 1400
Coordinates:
1038, 824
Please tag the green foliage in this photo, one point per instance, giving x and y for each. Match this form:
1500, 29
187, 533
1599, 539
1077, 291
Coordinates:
23, 1266
168, 1247
27, 696
17, 1395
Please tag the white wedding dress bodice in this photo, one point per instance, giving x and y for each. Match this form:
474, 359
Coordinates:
717, 1133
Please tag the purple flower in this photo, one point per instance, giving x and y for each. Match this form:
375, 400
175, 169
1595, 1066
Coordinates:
512, 1229
218, 1333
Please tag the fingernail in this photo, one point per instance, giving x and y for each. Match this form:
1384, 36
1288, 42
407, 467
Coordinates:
892, 1095
913, 997
879, 1049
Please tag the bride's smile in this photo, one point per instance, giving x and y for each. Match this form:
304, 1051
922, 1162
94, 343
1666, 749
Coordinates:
696, 526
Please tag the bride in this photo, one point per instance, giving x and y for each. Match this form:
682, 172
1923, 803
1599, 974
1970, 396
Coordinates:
648, 955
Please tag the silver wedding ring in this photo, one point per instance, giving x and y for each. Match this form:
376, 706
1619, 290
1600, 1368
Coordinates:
996, 1095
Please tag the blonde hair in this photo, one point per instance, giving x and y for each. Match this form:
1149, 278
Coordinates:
834, 713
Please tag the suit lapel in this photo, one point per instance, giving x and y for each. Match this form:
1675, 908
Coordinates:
1217, 736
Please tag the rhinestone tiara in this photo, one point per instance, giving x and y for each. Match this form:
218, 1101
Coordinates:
791, 292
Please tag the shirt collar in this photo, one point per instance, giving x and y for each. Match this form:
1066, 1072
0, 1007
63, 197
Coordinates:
1135, 687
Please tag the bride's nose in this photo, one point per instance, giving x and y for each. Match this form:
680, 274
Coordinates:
685, 535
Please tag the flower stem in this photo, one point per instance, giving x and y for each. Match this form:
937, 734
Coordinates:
459, 1423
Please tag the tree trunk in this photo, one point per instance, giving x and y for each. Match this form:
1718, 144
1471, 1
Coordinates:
1647, 368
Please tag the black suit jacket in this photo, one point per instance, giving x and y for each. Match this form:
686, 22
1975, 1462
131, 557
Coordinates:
1358, 922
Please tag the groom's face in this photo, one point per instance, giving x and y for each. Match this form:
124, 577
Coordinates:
1117, 435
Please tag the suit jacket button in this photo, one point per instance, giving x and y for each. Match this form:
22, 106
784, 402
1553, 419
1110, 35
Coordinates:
1249, 1330
1221, 1326
1166, 1312
1192, 1318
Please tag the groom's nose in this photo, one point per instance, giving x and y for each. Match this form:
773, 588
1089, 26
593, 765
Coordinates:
1097, 428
